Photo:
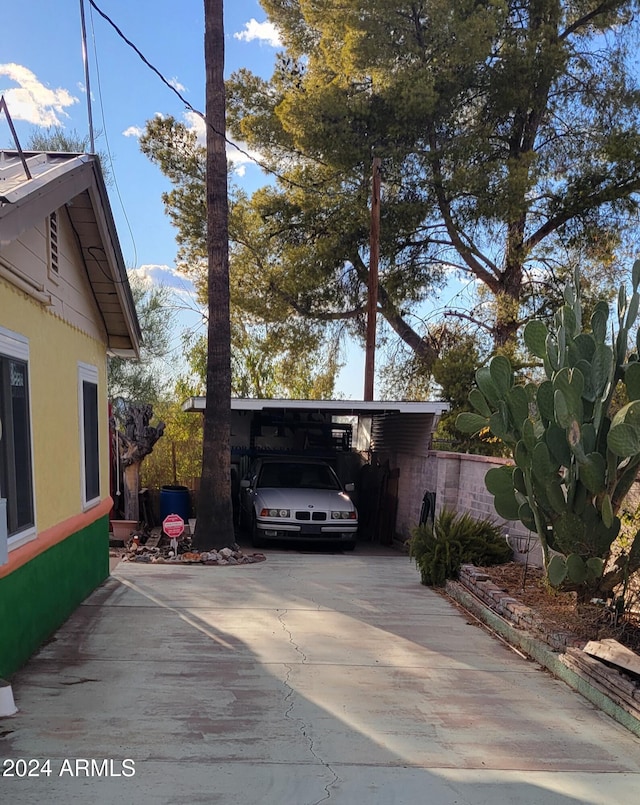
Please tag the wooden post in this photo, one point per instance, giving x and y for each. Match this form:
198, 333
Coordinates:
173, 462
372, 306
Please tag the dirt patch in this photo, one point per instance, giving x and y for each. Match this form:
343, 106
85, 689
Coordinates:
560, 611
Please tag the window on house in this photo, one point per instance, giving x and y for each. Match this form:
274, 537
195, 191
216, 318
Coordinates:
53, 243
89, 433
16, 478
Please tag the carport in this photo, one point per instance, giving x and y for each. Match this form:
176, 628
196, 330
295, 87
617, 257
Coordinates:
369, 443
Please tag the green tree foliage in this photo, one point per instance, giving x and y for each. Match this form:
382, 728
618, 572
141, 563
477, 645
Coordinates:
145, 380
450, 378
55, 138
404, 376
454, 371
509, 138
270, 360
276, 351
176, 457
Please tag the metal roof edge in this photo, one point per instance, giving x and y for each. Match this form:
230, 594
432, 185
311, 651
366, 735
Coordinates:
339, 407
67, 173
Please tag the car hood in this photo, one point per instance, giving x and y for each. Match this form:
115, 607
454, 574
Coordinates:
321, 499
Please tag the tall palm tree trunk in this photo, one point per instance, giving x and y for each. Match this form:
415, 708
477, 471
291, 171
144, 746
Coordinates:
214, 527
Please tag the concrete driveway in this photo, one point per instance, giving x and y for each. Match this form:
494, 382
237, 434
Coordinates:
305, 679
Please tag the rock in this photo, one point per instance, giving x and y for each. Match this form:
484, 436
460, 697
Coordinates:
226, 553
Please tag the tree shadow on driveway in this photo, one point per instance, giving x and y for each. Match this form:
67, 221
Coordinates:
301, 680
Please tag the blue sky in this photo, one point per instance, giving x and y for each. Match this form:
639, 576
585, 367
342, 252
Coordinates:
42, 79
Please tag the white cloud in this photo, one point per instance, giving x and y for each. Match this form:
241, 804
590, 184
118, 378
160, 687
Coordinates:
81, 88
196, 124
177, 85
133, 131
264, 32
182, 301
238, 158
183, 291
31, 100
159, 274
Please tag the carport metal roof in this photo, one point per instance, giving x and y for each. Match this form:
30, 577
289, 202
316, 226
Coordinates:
337, 407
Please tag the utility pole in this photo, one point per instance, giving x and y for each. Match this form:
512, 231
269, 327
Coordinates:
85, 62
372, 306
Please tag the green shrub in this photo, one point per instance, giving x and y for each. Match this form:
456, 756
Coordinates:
453, 540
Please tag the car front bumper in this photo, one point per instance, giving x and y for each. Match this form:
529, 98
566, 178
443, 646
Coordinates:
270, 529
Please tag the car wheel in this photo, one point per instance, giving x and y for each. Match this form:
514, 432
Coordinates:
256, 540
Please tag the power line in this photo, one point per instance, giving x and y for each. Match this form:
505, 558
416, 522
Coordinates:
106, 138
147, 62
197, 112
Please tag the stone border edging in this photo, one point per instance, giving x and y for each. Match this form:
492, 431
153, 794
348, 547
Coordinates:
513, 610
532, 644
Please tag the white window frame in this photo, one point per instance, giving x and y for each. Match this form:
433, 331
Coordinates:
87, 374
14, 345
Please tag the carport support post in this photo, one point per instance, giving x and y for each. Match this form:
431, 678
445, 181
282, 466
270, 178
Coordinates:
372, 306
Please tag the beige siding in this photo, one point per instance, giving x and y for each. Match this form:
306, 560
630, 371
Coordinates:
55, 350
71, 297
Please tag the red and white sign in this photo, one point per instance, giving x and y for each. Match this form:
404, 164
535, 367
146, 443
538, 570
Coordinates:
173, 525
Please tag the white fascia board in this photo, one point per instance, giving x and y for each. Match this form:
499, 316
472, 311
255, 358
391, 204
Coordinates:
338, 407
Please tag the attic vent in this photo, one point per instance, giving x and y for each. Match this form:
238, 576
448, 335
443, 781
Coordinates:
53, 242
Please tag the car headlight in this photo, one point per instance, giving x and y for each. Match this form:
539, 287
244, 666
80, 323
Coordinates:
343, 515
275, 513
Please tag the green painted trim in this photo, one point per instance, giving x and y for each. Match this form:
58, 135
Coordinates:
37, 598
543, 654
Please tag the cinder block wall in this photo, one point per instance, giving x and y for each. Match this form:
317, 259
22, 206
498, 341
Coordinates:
458, 481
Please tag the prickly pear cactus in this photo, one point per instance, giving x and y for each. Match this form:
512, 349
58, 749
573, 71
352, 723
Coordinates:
574, 461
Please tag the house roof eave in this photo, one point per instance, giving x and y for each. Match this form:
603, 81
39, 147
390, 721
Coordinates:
70, 180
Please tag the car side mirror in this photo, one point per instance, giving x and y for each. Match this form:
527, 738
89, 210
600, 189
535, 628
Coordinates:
245, 483
349, 487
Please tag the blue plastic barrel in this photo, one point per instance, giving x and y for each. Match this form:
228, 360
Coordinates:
175, 500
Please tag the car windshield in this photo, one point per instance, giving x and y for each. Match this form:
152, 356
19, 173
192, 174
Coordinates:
298, 476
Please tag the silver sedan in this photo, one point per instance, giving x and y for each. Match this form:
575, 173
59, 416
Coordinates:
297, 499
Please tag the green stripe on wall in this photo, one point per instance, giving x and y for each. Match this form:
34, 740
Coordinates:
37, 598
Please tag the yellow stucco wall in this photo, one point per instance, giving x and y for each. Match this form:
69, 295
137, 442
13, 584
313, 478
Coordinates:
55, 348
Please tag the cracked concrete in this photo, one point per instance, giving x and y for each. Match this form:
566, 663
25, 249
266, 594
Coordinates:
303, 726
306, 679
